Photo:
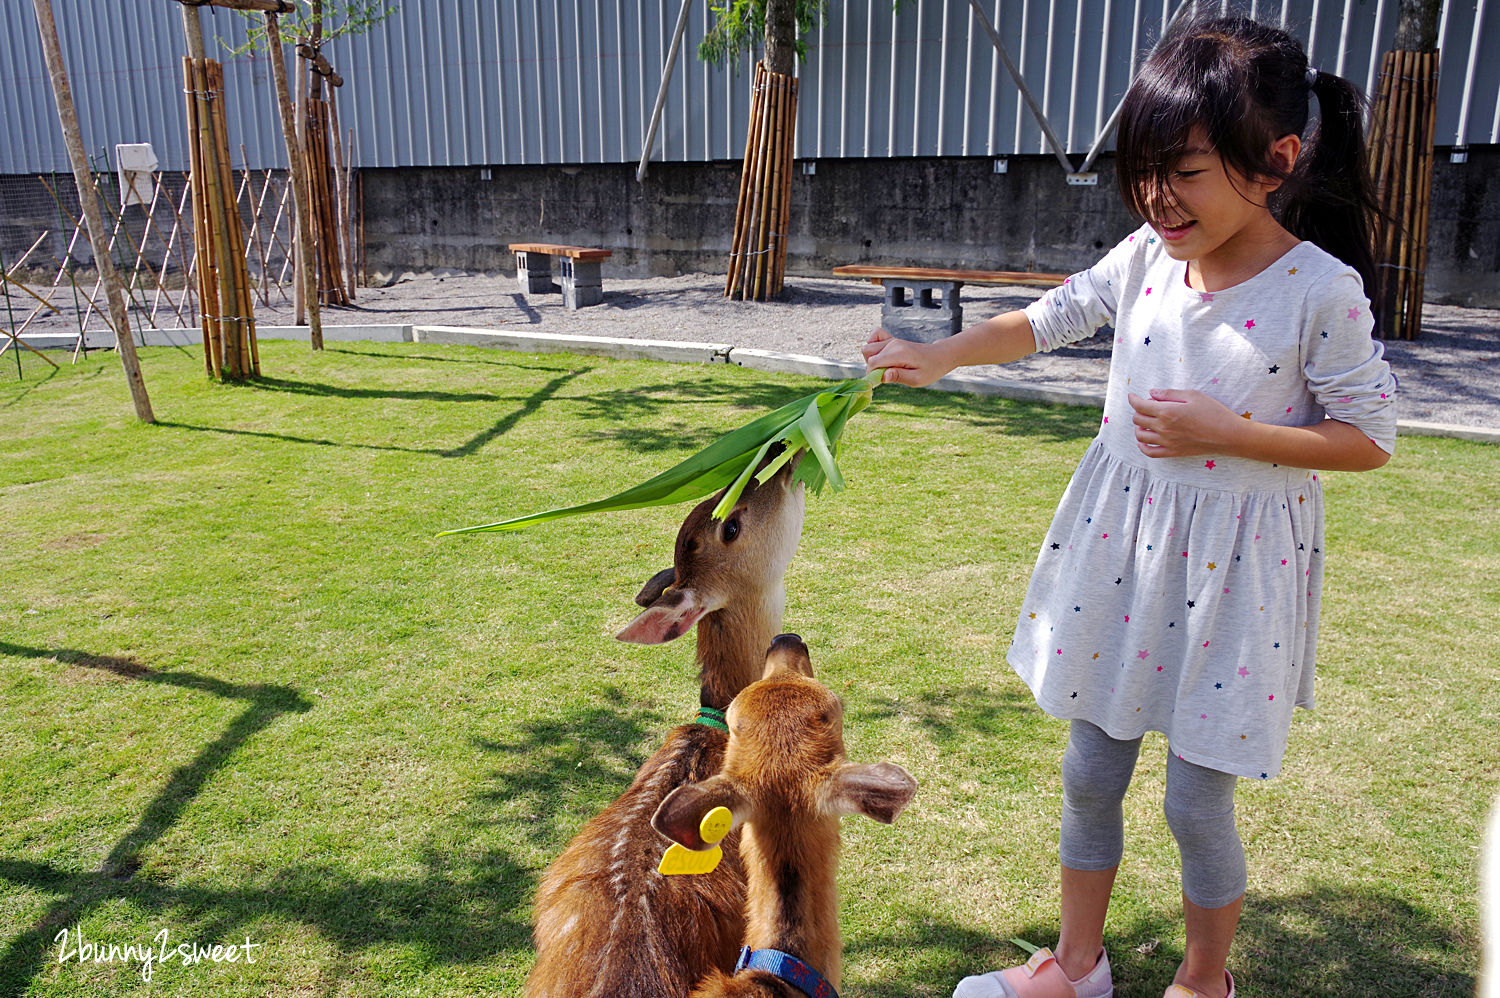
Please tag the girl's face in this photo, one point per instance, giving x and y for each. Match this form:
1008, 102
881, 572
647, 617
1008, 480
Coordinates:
1211, 210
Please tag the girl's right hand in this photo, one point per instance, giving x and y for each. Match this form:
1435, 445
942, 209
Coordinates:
906, 362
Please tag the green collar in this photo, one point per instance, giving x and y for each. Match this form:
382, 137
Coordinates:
711, 717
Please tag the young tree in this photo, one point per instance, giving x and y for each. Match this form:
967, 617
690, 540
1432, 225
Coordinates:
763, 211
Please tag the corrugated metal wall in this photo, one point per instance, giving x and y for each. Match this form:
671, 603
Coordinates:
479, 82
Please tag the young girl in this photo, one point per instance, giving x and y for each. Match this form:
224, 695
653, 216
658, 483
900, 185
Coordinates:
1178, 587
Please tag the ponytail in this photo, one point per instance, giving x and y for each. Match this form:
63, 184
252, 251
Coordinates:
1330, 198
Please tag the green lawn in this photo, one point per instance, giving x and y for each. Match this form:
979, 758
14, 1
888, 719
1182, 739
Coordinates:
246, 693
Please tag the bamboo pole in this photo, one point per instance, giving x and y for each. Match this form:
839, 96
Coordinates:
348, 219
203, 266
290, 134
1425, 201
736, 241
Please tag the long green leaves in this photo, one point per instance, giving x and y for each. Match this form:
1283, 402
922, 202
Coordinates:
814, 423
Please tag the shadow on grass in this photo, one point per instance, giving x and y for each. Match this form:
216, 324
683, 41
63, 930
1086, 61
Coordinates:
556, 773
1341, 942
549, 778
624, 410
954, 714
529, 406
25, 953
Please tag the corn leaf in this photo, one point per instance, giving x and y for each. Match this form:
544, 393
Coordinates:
814, 423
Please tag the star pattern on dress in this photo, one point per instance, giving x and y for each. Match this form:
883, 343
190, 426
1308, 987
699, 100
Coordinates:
1354, 313
1293, 272
1249, 323
1273, 368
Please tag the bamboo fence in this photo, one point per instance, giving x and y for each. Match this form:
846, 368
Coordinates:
757, 255
228, 319
1401, 136
326, 222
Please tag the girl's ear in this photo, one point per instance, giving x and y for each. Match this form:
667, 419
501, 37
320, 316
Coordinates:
881, 791
682, 812
1284, 152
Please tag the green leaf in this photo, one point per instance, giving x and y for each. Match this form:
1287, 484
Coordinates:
814, 422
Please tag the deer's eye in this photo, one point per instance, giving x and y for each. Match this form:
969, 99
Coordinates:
731, 530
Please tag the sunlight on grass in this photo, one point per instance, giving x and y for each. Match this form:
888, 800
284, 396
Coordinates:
246, 692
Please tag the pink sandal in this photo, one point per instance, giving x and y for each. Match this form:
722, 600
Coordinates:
1178, 991
1039, 976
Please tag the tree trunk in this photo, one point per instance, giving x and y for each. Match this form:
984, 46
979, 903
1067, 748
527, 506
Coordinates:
67, 116
781, 36
1417, 25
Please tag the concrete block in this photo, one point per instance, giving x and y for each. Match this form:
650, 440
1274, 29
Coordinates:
905, 325
534, 273
576, 296
583, 273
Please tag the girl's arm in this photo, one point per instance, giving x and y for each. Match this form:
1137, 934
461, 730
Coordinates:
1187, 423
998, 340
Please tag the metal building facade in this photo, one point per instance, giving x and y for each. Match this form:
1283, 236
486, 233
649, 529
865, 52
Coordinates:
495, 82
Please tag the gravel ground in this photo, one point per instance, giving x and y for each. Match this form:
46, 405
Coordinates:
1451, 375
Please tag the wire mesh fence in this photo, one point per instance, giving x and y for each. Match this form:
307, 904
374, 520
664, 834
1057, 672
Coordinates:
49, 283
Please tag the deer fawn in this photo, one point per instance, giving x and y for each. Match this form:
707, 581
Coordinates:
785, 779
607, 924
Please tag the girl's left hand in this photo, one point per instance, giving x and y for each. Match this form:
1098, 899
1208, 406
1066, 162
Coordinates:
1174, 423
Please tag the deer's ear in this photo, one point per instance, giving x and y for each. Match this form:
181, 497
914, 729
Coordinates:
880, 791
655, 586
671, 616
681, 814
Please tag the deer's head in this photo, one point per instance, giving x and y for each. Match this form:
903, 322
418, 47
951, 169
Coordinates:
738, 560
785, 759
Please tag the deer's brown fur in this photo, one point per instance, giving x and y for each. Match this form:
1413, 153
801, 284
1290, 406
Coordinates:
786, 781
607, 924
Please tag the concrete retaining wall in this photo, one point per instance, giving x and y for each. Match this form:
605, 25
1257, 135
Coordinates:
921, 212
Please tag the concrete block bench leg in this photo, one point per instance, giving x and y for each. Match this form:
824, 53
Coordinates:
925, 311
534, 271
581, 284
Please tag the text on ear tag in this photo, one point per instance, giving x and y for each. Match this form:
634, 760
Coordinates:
677, 860
715, 824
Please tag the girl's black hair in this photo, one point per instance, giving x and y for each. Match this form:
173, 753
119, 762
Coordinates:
1247, 84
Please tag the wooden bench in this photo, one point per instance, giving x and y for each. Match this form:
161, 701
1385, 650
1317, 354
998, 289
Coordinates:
922, 303
581, 283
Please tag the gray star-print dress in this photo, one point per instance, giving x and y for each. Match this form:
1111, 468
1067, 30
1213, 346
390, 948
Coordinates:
1181, 595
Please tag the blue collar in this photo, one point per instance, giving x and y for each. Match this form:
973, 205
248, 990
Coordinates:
787, 967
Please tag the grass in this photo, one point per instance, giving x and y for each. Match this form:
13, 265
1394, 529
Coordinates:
246, 693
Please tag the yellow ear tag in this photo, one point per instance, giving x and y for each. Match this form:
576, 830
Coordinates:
679, 860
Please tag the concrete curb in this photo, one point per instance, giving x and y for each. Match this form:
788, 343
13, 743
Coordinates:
679, 352
598, 346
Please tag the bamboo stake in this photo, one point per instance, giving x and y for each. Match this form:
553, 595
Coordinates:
736, 241
348, 219
234, 236
767, 173
1430, 105
202, 243
755, 167
68, 117
783, 228
296, 175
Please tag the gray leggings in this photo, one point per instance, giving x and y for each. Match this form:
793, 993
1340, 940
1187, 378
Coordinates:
1199, 807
